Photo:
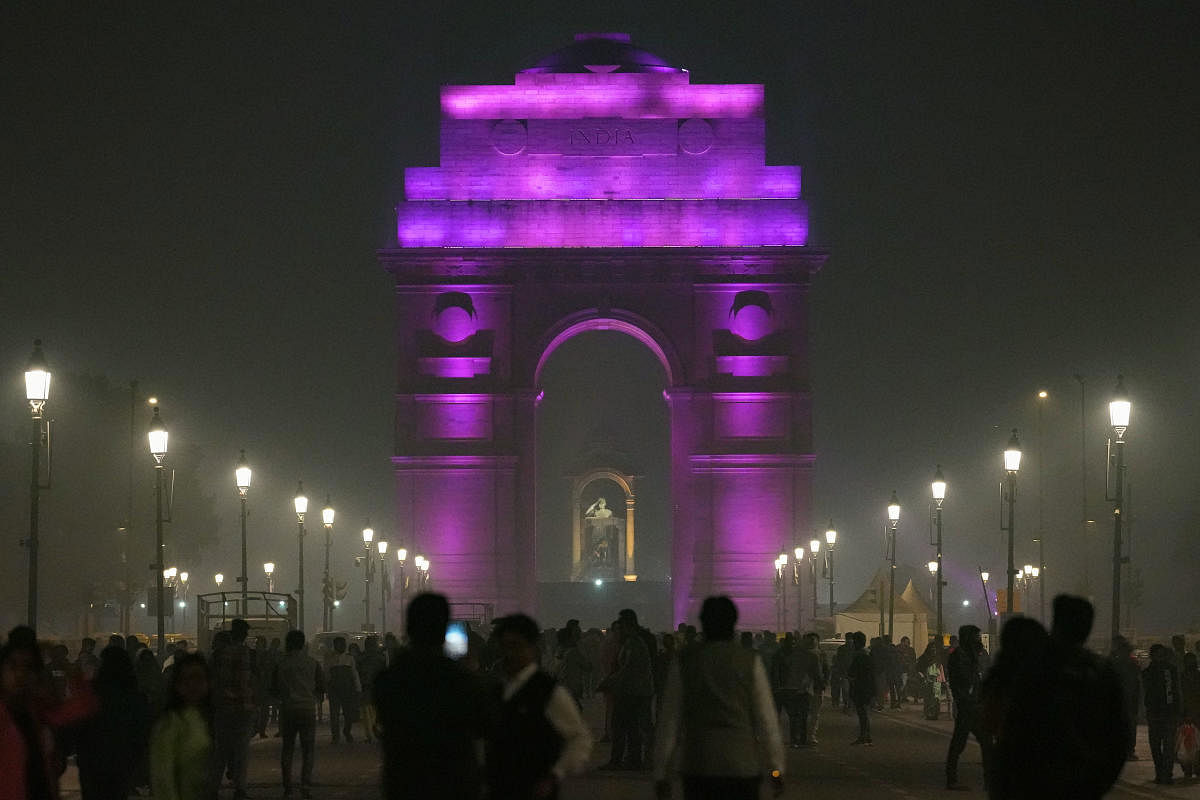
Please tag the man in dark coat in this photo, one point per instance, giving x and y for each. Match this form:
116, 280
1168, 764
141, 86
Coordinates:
433, 714
1160, 681
964, 675
862, 687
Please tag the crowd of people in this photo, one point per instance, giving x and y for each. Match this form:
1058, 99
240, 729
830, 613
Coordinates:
505, 720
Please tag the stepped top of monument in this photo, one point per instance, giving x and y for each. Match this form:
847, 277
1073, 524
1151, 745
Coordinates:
601, 53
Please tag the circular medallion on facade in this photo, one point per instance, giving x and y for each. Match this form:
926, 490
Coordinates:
508, 137
695, 137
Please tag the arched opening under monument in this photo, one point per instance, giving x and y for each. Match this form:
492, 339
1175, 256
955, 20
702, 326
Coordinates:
603, 480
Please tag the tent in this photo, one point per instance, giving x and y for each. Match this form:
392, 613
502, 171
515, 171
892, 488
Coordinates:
910, 615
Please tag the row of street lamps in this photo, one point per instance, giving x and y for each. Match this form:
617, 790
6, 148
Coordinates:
782, 578
1119, 412
37, 393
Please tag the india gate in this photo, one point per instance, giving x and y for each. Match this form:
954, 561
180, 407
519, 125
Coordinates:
602, 190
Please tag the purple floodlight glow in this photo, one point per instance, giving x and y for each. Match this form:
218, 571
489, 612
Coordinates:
604, 223
646, 99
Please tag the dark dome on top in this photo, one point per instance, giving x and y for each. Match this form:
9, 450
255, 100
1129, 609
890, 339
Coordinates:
601, 52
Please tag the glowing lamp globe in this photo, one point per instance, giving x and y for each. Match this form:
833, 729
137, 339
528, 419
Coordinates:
1119, 407
402, 554
1012, 454
158, 437
327, 513
893, 509
300, 501
831, 535
799, 553
814, 546
241, 475
37, 378
368, 535
933, 566
382, 545
938, 486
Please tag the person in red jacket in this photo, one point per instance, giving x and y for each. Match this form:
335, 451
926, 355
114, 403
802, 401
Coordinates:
29, 762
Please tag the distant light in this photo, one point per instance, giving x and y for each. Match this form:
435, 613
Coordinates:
984, 575
152, 400
1012, 454
337, 603
966, 603
143, 605
182, 604
599, 582
1043, 394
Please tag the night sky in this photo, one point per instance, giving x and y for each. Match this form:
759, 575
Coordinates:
194, 196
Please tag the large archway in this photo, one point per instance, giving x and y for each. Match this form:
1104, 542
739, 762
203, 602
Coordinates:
603, 434
581, 201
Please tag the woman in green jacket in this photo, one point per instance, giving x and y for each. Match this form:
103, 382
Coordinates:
181, 742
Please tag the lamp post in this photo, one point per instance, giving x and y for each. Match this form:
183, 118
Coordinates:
799, 559
382, 544
183, 585
402, 561
168, 576
1041, 532
422, 565
368, 536
893, 511
1012, 463
158, 449
938, 489
934, 577
831, 536
814, 547
326, 584
269, 571
241, 475
781, 575
1118, 416
300, 501
37, 392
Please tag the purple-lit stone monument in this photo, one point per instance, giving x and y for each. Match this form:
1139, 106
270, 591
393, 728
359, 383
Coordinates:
603, 190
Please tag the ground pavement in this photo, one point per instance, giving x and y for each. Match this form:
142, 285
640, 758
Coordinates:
905, 763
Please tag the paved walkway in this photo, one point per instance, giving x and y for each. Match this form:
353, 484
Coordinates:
905, 764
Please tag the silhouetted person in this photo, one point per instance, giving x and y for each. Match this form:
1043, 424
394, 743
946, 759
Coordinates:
234, 715
861, 674
86, 663
1160, 683
181, 741
840, 683
112, 743
632, 689
1189, 692
370, 664
1024, 644
1064, 734
344, 690
964, 674
432, 713
717, 699
298, 684
539, 737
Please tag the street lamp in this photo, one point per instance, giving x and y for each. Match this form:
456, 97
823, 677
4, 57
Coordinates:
1012, 463
326, 583
798, 552
158, 449
1118, 416
183, 585
368, 536
814, 547
382, 544
938, 490
241, 475
1041, 499
831, 536
300, 501
781, 571
402, 560
219, 578
893, 512
422, 565
37, 392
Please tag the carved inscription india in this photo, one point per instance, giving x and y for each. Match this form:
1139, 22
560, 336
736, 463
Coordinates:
600, 137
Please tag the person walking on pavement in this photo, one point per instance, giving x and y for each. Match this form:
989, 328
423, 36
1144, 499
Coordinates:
812, 643
632, 687
862, 687
965, 677
234, 716
370, 664
1160, 682
539, 737
299, 686
717, 699
433, 713
344, 688
839, 680
181, 740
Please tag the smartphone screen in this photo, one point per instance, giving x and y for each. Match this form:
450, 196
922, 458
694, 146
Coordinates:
456, 640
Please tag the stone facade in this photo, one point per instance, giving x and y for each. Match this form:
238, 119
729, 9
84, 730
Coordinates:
602, 196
